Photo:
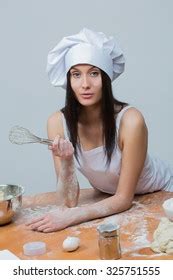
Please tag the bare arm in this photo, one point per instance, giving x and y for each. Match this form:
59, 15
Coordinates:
133, 143
62, 151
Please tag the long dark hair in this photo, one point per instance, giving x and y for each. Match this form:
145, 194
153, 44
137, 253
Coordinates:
110, 108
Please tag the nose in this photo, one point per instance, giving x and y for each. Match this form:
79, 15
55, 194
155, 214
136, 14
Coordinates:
85, 82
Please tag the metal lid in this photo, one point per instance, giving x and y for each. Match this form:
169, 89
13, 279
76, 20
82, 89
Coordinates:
108, 229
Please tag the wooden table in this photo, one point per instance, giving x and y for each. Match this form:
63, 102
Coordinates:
136, 228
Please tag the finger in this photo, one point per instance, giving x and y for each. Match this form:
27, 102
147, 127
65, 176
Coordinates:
43, 227
49, 229
66, 148
35, 221
56, 141
61, 145
71, 148
39, 224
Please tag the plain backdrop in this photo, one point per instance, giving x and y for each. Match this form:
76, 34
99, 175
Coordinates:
29, 29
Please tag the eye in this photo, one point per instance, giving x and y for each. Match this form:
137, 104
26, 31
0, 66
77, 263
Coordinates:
94, 73
75, 75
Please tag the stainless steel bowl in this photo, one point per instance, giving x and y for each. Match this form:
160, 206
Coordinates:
10, 202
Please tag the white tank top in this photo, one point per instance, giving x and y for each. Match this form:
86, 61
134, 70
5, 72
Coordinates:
156, 174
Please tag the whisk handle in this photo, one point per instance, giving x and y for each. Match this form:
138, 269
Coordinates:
46, 141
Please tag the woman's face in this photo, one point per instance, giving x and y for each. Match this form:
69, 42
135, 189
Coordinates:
86, 82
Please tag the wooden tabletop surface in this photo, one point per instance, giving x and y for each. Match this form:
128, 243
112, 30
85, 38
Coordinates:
136, 228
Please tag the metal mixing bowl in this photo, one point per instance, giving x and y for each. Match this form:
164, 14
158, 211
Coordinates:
10, 202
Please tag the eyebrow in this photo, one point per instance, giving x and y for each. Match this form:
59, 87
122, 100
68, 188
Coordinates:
92, 67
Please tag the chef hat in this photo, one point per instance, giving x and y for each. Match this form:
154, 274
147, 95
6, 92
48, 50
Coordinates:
86, 47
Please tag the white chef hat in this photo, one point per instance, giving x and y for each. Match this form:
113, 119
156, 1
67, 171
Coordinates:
85, 47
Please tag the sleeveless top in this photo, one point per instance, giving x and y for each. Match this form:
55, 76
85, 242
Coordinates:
156, 174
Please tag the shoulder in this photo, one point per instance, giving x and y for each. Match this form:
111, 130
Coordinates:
132, 118
55, 125
132, 125
55, 118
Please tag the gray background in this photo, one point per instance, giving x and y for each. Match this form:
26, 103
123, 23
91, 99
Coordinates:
29, 29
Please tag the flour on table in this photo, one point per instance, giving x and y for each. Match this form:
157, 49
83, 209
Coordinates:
138, 236
27, 214
137, 214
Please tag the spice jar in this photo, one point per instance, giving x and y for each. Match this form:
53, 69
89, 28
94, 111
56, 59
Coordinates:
109, 242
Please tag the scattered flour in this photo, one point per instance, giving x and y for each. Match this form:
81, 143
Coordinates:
27, 214
137, 235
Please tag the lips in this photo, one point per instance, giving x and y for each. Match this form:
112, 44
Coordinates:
86, 95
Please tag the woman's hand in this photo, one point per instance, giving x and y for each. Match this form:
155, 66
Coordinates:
62, 148
53, 221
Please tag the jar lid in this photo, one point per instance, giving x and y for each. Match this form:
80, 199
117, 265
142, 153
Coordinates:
34, 248
108, 229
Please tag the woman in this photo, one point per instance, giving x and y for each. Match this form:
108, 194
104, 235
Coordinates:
104, 138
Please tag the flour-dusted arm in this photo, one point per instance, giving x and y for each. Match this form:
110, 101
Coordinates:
62, 151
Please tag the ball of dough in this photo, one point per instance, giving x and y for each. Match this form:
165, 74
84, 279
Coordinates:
163, 237
168, 208
71, 243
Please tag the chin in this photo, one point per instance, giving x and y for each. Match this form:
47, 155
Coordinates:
88, 102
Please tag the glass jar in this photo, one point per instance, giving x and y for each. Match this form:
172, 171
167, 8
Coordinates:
109, 242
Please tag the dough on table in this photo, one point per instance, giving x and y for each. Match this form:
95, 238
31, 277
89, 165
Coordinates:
163, 237
71, 243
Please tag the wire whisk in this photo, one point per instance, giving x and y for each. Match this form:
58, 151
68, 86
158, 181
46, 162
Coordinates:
20, 135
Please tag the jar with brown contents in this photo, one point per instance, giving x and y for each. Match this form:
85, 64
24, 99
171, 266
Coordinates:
109, 243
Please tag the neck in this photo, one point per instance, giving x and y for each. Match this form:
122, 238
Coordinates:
90, 115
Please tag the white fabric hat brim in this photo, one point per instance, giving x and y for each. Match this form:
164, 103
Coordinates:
87, 54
